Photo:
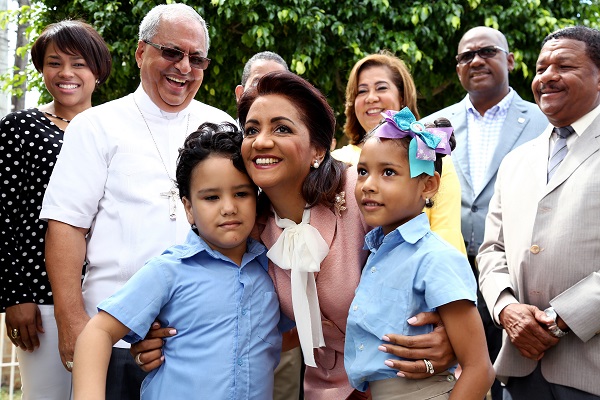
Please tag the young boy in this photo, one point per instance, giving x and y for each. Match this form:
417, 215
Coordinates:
214, 288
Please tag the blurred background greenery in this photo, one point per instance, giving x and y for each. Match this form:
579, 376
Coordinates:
320, 40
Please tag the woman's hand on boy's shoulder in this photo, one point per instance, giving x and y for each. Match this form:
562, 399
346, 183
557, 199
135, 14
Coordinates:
148, 352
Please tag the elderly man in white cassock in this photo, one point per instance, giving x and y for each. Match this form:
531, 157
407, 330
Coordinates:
111, 201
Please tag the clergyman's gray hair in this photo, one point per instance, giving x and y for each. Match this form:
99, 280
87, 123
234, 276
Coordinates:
150, 24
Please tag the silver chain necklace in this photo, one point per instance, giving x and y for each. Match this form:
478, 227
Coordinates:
173, 193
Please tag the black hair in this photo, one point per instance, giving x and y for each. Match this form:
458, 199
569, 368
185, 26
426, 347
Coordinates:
405, 143
74, 37
589, 36
442, 123
323, 183
223, 139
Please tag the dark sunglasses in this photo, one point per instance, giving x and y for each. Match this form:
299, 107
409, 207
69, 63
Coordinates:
484, 52
175, 55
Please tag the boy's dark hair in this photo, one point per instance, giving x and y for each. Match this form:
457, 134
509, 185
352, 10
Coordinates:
224, 140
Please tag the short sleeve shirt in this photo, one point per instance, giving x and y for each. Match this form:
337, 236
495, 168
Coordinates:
410, 270
228, 342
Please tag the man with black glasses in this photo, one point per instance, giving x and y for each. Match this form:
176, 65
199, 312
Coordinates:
489, 122
112, 201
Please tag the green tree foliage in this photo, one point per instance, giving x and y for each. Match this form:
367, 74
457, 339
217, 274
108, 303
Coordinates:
321, 40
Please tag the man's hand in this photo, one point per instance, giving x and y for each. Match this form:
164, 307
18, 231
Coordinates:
27, 320
69, 326
434, 346
522, 324
148, 352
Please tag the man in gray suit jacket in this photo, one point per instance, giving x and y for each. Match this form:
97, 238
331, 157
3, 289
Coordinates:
540, 260
489, 122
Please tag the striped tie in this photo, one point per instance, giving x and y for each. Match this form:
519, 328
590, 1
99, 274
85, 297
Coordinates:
560, 149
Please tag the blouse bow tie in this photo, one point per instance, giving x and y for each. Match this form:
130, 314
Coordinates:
301, 248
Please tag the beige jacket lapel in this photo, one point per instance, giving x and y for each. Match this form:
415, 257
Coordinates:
585, 145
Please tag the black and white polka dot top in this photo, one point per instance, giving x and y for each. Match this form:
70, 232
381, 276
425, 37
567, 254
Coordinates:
29, 146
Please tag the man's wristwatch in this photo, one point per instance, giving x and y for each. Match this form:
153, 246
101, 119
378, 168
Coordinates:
554, 329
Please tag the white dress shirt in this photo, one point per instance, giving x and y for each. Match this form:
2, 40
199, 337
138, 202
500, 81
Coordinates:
109, 177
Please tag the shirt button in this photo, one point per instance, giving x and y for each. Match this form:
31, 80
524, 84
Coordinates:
361, 347
244, 311
355, 308
535, 249
240, 361
373, 270
474, 208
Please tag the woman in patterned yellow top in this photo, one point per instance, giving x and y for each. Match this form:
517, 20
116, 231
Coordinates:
380, 82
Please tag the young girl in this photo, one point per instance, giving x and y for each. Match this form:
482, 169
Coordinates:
410, 269
214, 288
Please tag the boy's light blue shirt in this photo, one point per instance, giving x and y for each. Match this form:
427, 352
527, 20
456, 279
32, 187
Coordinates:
410, 270
227, 343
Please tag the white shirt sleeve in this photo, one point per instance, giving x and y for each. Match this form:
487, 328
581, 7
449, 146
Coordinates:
78, 179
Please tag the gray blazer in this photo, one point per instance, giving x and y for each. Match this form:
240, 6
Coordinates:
524, 122
548, 253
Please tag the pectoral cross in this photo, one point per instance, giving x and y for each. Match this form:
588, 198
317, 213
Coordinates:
173, 195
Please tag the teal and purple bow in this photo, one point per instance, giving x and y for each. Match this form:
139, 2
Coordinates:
425, 141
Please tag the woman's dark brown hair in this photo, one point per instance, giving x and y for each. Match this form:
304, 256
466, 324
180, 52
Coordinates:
323, 183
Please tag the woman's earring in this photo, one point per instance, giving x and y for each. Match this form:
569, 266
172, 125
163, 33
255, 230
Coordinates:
428, 202
97, 82
316, 164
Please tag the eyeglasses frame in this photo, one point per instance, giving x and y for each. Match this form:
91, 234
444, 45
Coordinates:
162, 48
476, 52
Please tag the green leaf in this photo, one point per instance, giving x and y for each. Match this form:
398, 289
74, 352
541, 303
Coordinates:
320, 39
455, 20
299, 67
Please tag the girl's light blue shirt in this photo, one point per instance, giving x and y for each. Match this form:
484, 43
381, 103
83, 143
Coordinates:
409, 271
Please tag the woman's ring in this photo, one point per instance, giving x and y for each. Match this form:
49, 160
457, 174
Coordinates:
15, 333
69, 365
429, 366
138, 361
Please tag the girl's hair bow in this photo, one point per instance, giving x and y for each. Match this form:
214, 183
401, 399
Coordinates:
425, 142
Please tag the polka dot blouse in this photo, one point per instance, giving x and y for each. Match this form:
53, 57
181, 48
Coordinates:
29, 145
